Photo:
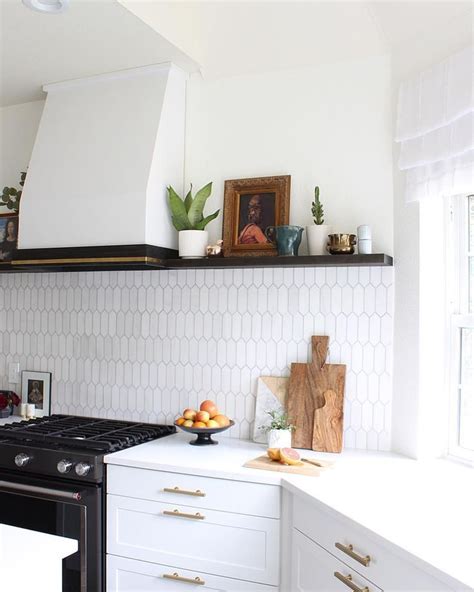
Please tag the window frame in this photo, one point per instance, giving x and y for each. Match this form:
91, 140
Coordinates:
458, 315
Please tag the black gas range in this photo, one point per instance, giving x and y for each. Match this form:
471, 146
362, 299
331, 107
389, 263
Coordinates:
52, 480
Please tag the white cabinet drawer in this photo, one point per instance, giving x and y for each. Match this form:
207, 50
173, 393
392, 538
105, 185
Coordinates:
316, 570
233, 545
129, 575
385, 568
201, 492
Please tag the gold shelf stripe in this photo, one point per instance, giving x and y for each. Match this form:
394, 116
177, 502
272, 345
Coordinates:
87, 260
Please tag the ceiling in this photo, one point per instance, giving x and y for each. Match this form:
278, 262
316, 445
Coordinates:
231, 38
91, 37
422, 33
225, 38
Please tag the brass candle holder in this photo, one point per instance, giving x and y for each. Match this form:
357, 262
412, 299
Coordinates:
341, 244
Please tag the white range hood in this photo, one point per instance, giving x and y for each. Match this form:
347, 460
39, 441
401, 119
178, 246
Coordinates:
107, 147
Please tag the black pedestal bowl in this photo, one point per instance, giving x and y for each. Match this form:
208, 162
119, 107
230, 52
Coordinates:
204, 434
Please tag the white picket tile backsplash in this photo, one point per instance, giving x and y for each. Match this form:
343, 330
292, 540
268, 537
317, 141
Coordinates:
144, 345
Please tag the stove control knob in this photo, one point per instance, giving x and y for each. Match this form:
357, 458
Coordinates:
64, 466
22, 459
82, 469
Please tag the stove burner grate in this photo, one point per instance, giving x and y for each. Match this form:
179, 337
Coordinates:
70, 431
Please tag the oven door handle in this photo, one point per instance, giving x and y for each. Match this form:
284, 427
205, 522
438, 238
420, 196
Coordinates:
46, 491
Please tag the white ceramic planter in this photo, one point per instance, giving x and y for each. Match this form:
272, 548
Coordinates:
279, 439
317, 238
193, 243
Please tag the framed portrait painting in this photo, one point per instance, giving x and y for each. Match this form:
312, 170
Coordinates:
36, 389
8, 236
250, 207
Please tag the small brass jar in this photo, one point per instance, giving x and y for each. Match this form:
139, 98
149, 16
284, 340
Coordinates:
341, 244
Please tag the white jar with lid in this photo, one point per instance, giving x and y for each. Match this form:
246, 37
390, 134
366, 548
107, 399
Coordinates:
364, 239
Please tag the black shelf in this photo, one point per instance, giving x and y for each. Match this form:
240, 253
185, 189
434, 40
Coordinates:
378, 259
148, 257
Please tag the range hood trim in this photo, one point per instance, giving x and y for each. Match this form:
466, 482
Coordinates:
104, 258
110, 76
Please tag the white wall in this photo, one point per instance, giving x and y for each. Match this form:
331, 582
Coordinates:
329, 125
18, 127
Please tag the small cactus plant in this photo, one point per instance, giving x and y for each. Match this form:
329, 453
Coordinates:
317, 208
11, 197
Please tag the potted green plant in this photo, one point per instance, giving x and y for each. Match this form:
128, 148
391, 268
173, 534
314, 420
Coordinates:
278, 430
317, 233
188, 218
11, 197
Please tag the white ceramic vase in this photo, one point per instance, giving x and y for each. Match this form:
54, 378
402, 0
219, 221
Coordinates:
279, 439
317, 238
193, 243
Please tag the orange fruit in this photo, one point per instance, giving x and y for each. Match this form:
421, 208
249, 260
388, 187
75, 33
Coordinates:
222, 420
202, 416
210, 407
289, 456
274, 453
189, 414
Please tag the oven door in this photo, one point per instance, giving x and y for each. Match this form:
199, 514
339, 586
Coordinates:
71, 510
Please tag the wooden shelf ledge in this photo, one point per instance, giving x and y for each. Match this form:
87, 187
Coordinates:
147, 257
380, 260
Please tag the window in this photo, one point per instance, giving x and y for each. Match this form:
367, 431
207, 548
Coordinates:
461, 327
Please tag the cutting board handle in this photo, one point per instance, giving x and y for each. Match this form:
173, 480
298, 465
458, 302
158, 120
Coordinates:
320, 346
327, 427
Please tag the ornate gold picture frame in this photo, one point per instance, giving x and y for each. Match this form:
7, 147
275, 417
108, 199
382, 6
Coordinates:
250, 207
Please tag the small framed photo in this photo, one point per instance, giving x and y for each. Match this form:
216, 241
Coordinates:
36, 389
8, 236
250, 207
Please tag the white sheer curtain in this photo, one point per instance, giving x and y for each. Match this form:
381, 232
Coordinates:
435, 128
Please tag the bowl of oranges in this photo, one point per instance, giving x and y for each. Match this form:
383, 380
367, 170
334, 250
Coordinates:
204, 423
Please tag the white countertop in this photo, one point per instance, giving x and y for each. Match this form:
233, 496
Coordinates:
424, 508
10, 419
176, 455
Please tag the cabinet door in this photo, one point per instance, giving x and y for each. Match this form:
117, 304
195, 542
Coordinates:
221, 543
337, 535
316, 570
225, 495
129, 575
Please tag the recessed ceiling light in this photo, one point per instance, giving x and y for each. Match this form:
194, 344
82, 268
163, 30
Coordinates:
47, 6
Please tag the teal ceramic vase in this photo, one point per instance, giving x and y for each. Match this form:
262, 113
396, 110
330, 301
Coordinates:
287, 239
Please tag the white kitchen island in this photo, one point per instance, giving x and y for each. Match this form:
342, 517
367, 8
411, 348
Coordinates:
31, 560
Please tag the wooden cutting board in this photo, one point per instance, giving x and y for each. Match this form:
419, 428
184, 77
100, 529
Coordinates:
266, 464
316, 399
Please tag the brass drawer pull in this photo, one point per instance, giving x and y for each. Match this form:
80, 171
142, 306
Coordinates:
196, 516
347, 580
197, 493
177, 578
349, 550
